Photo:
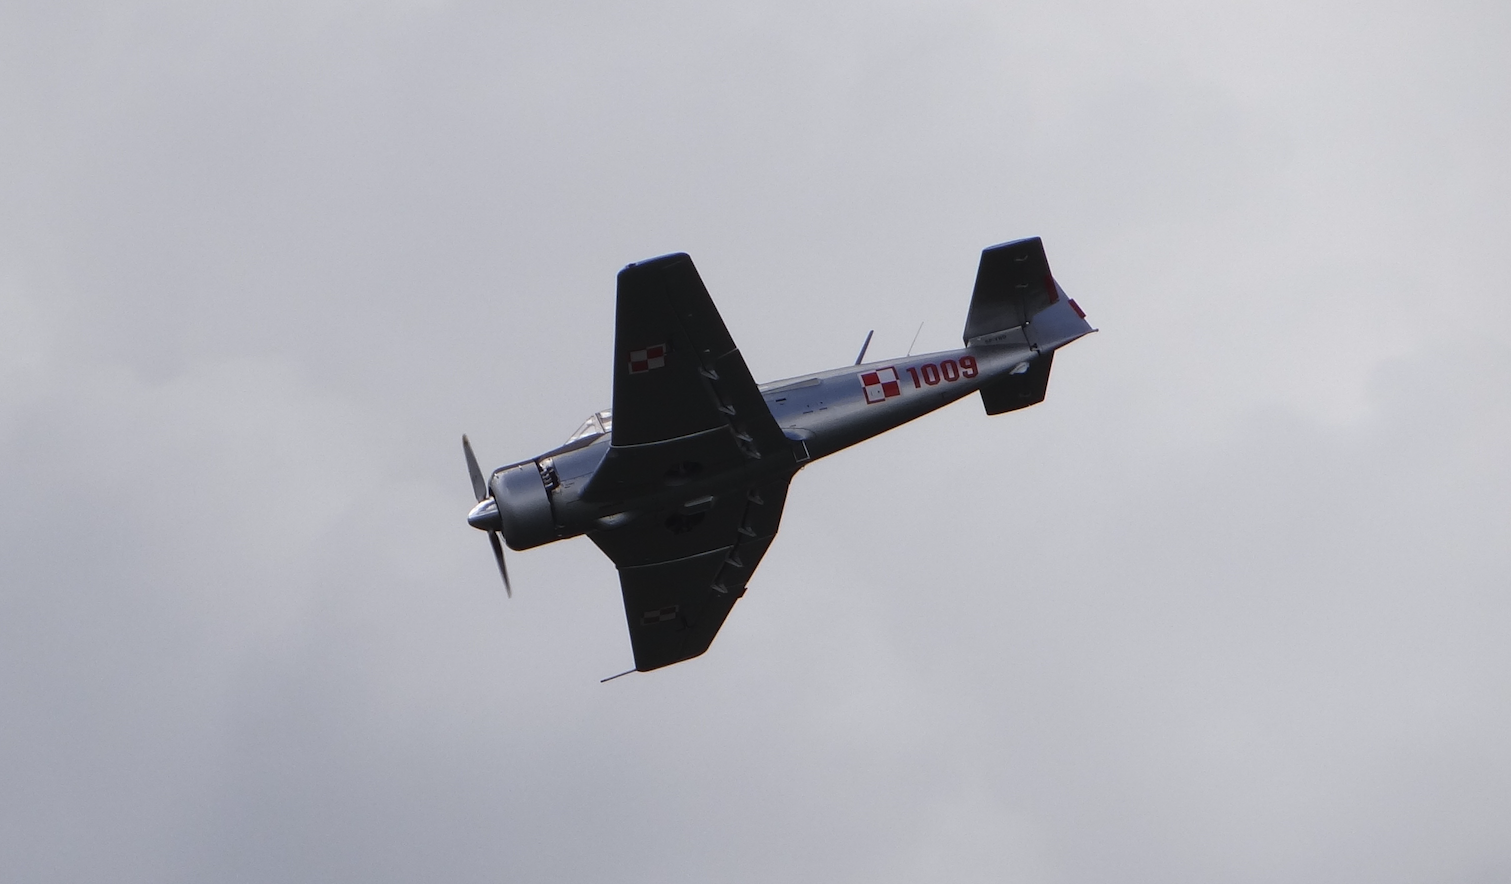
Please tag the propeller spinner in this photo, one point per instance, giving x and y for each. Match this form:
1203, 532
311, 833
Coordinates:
484, 516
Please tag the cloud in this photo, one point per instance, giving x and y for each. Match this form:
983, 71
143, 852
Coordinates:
1227, 606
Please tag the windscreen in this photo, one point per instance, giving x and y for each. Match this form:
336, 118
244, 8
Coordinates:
597, 424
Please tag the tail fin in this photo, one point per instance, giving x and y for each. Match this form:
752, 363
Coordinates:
1017, 302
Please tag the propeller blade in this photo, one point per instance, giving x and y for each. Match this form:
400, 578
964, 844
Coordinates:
479, 487
498, 553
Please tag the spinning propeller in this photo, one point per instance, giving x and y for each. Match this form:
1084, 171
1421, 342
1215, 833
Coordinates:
485, 516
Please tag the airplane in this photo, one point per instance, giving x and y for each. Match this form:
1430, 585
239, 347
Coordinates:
682, 482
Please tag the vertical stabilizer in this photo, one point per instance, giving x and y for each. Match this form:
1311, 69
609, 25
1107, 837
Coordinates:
1013, 284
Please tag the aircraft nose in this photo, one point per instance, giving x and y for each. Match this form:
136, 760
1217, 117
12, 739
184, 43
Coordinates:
484, 516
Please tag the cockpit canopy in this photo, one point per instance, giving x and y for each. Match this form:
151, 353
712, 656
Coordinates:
598, 423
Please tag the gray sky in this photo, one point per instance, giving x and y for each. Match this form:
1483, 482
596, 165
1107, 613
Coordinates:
1230, 606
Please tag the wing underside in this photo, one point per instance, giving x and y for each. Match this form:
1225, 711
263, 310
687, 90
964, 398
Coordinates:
689, 421
685, 404
681, 570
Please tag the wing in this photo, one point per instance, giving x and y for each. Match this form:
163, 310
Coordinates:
684, 402
682, 570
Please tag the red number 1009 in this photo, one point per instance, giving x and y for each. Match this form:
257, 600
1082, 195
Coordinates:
948, 371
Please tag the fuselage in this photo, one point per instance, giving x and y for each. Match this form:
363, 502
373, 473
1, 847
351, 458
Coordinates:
832, 410
820, 413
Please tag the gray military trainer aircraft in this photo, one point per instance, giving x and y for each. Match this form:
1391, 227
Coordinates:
682, 482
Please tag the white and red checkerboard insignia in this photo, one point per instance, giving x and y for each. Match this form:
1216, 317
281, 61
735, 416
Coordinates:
880, 385
647, 359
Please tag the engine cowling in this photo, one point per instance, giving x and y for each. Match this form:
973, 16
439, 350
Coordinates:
524, 506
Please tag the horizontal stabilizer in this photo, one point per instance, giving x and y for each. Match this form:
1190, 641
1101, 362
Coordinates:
1014, 391
1013, 284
